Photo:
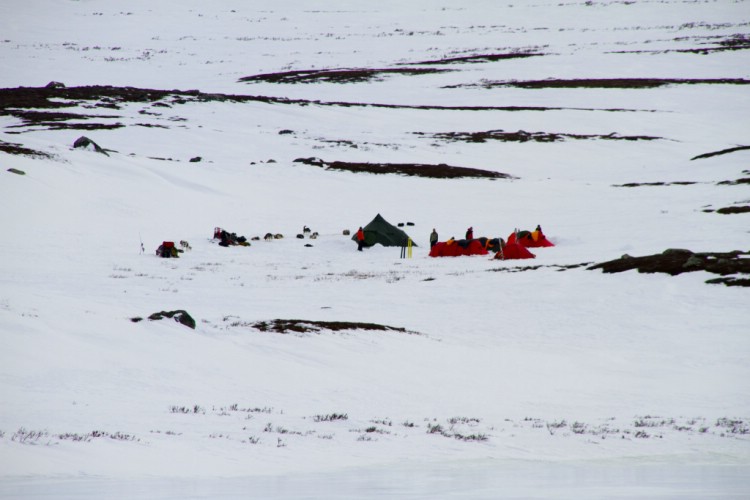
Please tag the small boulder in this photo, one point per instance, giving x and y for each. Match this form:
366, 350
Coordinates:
86, 143
179, 315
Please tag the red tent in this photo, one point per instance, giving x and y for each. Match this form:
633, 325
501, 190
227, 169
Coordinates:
514, 251
458, 248
531, 239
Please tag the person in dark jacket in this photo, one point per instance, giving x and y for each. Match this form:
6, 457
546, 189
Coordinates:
360, 239
470, 233
433, 238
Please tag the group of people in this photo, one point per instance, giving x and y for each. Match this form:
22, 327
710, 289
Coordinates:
433, 237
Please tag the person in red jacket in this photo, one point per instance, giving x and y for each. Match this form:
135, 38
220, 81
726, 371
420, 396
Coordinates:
360, 239
470, 233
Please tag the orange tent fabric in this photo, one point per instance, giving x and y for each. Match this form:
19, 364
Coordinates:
458, 248
514, 251
530, 239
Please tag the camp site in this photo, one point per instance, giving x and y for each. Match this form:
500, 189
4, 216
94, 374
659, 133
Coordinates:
184, 312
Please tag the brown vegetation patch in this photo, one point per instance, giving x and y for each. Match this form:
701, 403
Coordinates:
336, 75
523, 136
734, 42
638, 184
730, 210
306, 326
722, 152
13, 100
607, 83
440, 171
519, 269
481, 58
17, 149
678, 261
744, 180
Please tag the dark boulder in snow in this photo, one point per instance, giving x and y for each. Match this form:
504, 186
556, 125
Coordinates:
676, 261
179, 315
86, 143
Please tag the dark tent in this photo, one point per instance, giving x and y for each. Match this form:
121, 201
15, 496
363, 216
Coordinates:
381, 231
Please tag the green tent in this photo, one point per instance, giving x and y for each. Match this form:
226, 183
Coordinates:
381, 231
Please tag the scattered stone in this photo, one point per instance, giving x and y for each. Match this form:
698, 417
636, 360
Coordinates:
86, 143
179, 315
195, 159
16, 171
676, 261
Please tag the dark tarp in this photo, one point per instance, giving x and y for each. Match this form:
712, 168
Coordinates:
381, 231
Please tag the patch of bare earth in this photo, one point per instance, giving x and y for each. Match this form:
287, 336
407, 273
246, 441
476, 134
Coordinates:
18, 149
604, 83
356, 75
719, 153
481, 58
639, 184
744, 209
712, 44
678, 261
439, 171
307, 326
523, 136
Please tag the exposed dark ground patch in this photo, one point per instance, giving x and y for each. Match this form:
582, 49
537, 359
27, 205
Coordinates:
743, 180
639, 184
357, 75
604, 83
440, 171
718, 153
678, 261
306, 326
520, 269
730, 210
481, 58
523, 136
720, 44
25, 102
17, 149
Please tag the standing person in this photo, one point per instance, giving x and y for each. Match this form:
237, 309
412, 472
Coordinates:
470, 233
360, 238
433, 238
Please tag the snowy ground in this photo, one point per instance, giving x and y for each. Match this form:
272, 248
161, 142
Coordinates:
507, 381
